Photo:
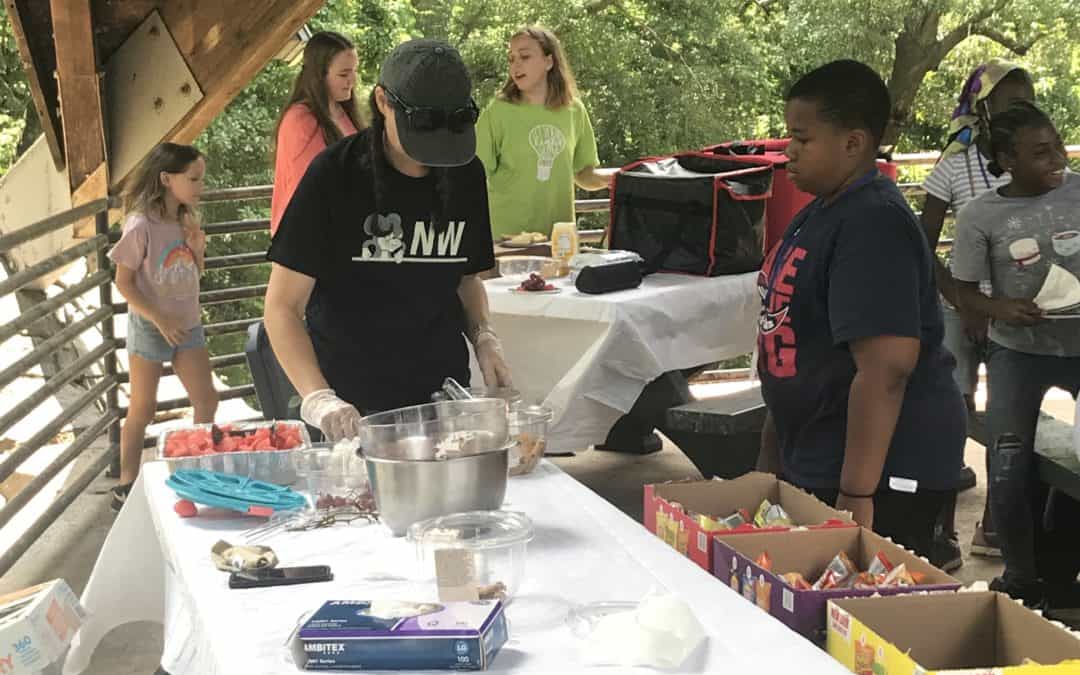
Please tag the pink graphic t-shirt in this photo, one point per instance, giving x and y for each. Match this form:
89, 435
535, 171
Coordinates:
165, 268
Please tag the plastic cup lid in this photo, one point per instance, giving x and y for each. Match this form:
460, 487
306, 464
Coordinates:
474, 530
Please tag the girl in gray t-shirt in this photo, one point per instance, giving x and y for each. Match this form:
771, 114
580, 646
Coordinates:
1025, 238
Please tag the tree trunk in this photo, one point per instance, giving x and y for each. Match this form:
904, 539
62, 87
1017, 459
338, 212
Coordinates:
917, 52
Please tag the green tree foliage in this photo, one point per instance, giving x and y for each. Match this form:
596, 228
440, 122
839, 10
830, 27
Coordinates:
656, 75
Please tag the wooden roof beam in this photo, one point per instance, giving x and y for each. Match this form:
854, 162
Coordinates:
31, 23
79, 92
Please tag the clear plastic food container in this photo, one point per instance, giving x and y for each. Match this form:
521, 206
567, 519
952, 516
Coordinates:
528, 430
331, 475
498, 541
517, 268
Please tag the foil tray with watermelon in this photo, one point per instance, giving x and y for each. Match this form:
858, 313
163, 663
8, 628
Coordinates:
259, 450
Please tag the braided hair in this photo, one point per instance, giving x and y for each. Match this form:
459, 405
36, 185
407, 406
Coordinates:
380, 165
1005, 126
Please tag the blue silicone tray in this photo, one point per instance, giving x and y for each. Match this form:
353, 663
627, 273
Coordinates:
236, 493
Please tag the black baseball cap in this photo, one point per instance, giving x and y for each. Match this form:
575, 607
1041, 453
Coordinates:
430, 74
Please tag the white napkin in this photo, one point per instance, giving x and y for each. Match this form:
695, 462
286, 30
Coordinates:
1060, 290
660, 633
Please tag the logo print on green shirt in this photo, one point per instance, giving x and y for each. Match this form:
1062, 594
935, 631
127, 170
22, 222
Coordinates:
548, 141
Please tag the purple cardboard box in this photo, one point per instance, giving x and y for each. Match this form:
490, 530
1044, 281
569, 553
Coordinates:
809, 553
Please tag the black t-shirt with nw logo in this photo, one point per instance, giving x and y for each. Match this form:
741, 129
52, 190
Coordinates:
384, 316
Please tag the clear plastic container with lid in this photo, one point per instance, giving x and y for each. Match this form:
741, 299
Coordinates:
528, 430
497, 540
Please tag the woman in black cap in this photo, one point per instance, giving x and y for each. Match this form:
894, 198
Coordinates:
379, 250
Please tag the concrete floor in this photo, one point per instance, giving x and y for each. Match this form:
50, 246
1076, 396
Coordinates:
70, 547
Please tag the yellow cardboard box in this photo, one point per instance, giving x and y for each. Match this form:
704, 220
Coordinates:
947, 634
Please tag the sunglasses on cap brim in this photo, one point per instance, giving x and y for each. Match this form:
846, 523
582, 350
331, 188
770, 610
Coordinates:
422, 118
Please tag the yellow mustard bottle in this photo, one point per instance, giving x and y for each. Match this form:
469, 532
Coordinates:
564, 244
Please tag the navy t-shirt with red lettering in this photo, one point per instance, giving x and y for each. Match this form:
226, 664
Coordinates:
859, 267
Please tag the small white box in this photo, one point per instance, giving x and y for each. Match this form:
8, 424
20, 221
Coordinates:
36, 626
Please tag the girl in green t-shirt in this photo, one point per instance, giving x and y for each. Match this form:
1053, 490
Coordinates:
535, 139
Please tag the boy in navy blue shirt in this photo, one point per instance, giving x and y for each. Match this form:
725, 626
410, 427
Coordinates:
863, 409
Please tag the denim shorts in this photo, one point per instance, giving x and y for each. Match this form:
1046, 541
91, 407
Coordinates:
145, 340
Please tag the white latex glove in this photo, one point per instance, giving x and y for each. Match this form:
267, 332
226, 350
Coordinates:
336, 418
489, 355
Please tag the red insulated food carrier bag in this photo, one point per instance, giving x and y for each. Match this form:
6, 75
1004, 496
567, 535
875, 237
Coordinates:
786, 199
692, 213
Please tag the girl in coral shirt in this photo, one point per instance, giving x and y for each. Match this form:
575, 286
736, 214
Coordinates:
320, 111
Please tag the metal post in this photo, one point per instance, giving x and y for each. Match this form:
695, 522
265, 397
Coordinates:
108, 333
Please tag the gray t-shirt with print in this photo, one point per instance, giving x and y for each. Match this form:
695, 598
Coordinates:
1013, 241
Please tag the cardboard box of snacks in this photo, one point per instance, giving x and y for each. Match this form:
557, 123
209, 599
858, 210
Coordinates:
948, 634
813, 553
687, 515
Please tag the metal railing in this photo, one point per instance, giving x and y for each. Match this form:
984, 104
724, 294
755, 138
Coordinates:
100, 398
103, 395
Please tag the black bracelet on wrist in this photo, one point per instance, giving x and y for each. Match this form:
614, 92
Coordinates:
852, 495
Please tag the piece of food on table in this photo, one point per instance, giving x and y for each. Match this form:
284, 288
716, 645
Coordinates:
535, 282
764, 561
185, 508
527, 239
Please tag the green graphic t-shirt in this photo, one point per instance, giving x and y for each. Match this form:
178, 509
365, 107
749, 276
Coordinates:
531, 154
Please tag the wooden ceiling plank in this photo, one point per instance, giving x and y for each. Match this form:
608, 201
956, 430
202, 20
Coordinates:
115, 20
227, 44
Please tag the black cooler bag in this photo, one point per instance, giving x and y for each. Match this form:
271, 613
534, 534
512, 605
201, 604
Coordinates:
692, 213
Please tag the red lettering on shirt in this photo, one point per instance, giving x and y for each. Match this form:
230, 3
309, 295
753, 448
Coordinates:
777, 342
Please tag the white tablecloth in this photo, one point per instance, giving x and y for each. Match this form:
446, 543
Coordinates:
156, 566
589, 357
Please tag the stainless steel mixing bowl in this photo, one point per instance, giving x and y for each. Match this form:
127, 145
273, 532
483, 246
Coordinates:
436, 459
407, 491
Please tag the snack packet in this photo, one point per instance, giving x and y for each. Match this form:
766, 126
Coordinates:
710, 524
864, 580
737, 519
771, 515
764, 561
837, 574
796, 581
879, 566
899, 576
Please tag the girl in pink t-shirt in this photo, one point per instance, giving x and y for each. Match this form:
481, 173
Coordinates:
320, 111
159, 260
